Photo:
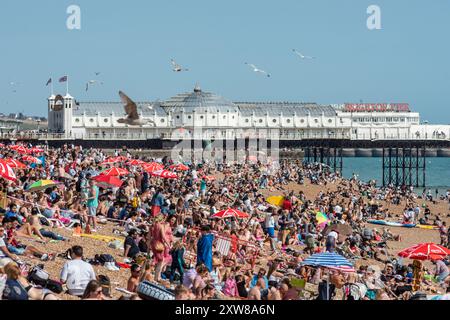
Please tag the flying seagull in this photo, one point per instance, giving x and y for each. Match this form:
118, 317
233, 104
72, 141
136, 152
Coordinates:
91, 82
255, 69
133, 118
301, 55
176, 67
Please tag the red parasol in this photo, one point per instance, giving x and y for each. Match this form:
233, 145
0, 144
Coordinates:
164, 174
425, 251
20, 149
31, 159
179, 167
114, 172
209, 178
152, 166
230, 213
136, 162
13, 163
35, 150
108, 181
6, 171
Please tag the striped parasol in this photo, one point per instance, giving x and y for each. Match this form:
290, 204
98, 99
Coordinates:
328, 260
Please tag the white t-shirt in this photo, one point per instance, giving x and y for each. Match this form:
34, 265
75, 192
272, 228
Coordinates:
2, 244
270, 221
77, 274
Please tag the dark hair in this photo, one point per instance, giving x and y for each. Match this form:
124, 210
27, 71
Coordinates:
77, 251
91, 287
134, 267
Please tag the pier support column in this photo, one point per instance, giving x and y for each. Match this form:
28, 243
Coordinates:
404, 166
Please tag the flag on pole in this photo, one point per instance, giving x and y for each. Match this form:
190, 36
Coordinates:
48, 82
63, 79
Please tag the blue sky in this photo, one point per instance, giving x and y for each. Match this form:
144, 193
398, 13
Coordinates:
132, 42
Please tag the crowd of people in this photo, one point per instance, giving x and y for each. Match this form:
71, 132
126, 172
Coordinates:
166, 234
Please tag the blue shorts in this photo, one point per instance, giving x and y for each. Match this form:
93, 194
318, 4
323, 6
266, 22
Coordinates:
92, 211
17, 251
271, 232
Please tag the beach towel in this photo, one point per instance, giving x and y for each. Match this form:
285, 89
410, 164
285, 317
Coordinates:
204, 251
223, 246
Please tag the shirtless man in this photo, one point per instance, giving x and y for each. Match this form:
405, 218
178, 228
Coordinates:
133, 281
255, 292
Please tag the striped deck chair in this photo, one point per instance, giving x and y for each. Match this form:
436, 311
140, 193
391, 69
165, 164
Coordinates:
223, 245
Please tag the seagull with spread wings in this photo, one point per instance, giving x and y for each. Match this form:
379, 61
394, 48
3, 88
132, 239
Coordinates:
132, 118
301, 55
255, 69
176, 67
91, 82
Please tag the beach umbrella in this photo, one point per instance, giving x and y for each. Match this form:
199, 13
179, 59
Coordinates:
425, 251
135, 162
20, 149
228, 213
121, 159
109, 161
35, 150
6, 171
164, 174
42, 185
31, 159
114, 172
152, 166
329, 260
13, 163
108, 181
322, 219
275, 200
179, 167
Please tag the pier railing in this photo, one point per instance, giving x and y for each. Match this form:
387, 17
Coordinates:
273, 136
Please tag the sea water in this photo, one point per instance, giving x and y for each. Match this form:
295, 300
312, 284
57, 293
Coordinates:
437, 171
